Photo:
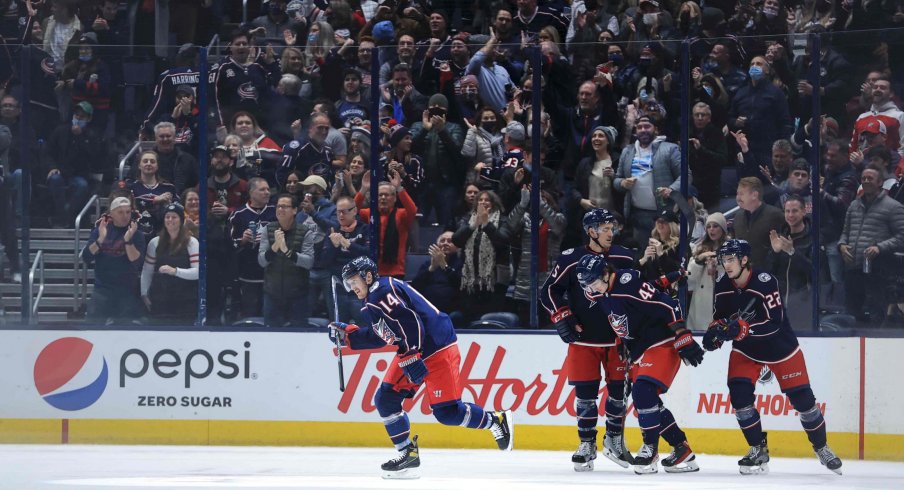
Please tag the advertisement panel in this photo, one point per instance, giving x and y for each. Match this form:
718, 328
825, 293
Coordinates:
280, 376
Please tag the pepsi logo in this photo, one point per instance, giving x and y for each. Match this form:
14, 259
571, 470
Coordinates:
70, 374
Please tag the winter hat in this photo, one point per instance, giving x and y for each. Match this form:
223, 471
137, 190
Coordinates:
175, 208
719, 219
120, 202
515, 131
361, 133
396, 133
610, 132
383, 32
438, 99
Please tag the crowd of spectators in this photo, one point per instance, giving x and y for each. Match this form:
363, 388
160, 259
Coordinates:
290, 147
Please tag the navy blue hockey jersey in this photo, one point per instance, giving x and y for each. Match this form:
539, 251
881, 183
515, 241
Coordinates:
770, 338
639, 313
562, 290
256, 219
401, 316
165, 94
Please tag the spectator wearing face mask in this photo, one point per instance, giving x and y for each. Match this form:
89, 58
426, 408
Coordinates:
760, 110
439, 141
483, 141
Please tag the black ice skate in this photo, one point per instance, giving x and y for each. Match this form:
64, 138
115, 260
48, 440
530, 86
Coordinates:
614, 449
645, 460
503, 429
405, 465
828, 459
681, 460
584, 456
756, 461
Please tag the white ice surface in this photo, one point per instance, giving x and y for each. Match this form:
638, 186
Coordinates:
100, 467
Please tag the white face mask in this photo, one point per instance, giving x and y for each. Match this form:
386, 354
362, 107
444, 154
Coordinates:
648, 19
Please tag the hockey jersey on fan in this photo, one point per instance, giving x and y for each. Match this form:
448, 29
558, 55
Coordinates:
638, 312
256, 220
165, 93
400, 316
239, 86
562, 290
151, 220
770, 338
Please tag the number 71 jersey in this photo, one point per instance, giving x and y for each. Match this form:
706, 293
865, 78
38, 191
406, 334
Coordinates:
771, 338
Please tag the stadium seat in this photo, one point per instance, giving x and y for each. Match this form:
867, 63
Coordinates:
510, 320
251, 321
318, 322
837, 323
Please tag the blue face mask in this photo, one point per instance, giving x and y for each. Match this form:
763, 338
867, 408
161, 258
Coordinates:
79, 122
84, 57
709, 65
312, 38
708, 90
756, 73
616, 58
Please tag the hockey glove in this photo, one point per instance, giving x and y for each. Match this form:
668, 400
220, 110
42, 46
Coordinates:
711, 340
666, 281
688, 348
413, 366
566, 325
736, 329
339, 331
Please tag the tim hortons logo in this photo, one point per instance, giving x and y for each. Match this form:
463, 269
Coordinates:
535, 392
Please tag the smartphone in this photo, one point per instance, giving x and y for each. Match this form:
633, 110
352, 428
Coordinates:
436, 111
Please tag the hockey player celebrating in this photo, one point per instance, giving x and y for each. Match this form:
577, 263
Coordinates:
591, 343
748, 312
651, 327
427, 353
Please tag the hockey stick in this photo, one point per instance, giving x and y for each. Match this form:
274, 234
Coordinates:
333, 280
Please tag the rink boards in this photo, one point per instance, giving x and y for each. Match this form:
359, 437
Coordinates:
281, 388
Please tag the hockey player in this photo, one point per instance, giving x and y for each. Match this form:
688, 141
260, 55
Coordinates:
427, 353
591, 342
748, 312
651, 327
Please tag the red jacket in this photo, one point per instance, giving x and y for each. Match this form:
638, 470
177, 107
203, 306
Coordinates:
404, 218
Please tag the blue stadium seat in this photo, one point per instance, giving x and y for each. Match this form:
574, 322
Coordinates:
837, 322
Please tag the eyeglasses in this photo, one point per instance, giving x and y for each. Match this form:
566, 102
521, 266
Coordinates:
346, 211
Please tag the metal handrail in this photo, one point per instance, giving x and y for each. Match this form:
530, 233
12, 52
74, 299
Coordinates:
125, 158
78, 264
244, 11
731, 212
32, 304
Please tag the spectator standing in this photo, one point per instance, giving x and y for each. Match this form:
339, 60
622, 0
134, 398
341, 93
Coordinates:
394, 223
884, 109
287, 253
169, 278
760, 109
115, 248
400, 158
88, 78
259, 155
791, 262
648, 172
350, 239
311, 157
246, 226
873, 232
838, 190
756, 219
593, 182
151, 194
703, 270
226, 193
7, 215
661, 255
242, 82
183, 72
440, 142
483, 141
707, 155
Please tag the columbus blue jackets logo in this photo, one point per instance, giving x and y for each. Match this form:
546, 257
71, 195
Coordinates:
764, 277
619, 324
625, 278
385, 333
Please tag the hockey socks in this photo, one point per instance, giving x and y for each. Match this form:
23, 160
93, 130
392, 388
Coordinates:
669, 429
615, 415
588, 415
398, 428
749, 421
815, 425
649, 415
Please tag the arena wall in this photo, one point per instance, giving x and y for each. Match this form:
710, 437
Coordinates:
281, 388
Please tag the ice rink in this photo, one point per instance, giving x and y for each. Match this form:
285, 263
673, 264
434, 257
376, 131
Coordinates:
99, 467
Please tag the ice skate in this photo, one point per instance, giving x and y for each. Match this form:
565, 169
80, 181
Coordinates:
503, 429
828, 459
405, 466
756, 461
682, 460
584, 456
614, 449
645, 461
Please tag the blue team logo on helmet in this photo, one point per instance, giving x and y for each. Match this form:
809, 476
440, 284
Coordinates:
596, 217
734, 247
589, 269
360, 266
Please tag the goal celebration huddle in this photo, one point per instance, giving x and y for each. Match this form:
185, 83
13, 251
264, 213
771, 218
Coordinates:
623, 332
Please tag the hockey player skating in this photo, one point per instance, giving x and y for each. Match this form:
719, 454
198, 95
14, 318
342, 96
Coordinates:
651, 327
591, 343
748, 311
427, 352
